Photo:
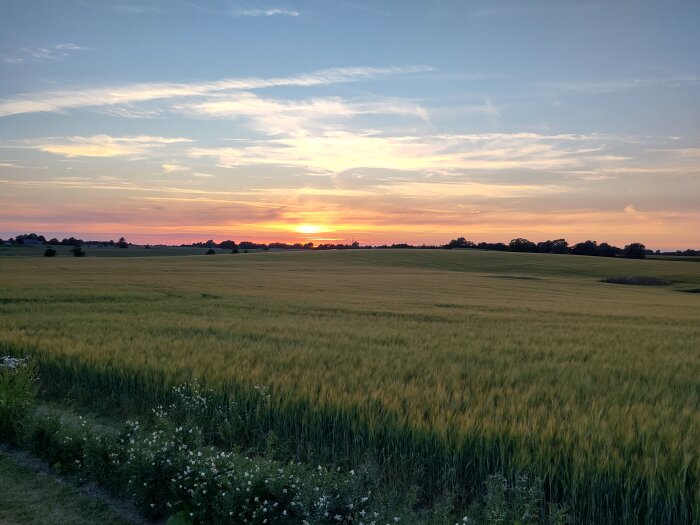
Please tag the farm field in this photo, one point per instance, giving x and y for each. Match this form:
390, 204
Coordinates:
441, 366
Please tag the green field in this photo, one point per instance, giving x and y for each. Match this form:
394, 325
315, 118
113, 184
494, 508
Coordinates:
440, 366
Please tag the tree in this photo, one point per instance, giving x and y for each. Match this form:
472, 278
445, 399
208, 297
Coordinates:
636, 250
50, 252
460, 242
522, 245
585, 248
211, 251
78, 252
548, 246
227, 245
560, 246
606, 250
121, 243
72, 242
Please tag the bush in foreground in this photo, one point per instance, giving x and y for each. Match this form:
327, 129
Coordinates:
17, 393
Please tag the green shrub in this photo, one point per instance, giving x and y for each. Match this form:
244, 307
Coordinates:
17, 395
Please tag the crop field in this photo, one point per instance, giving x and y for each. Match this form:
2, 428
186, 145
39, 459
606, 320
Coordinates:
441, 367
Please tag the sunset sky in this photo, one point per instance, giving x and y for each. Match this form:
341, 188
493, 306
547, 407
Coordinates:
404, 121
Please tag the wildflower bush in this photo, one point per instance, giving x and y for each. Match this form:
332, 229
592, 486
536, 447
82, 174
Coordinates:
166, 468
17, 394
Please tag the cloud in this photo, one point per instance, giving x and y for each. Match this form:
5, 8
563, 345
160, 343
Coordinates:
132, 93
288, 116
103, 145
271, 11
339, 151
41, 54
171, 168
612, 86
135, 9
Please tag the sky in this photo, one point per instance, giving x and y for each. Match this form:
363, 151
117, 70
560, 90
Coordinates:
337, 120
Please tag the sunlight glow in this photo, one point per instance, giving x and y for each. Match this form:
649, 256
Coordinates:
310, 229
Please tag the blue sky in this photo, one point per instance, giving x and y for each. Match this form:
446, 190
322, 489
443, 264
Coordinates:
380, 121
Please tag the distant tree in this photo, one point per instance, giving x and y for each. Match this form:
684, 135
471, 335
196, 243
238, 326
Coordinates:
636, 250
121, 243
560, 246
498, 246
227, 245
547, 246
211, 251
78, 252
53, 241
19, 239
606, 250
148, 246
355, 244
235, 250
72, 241
460, 242
522, 245
585, 248
50, 252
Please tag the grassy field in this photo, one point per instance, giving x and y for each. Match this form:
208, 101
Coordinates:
440, 366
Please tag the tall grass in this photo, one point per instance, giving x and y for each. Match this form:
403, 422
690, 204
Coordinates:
422, 362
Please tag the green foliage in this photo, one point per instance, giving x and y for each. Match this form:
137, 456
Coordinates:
17, 394
179, 518
521, 503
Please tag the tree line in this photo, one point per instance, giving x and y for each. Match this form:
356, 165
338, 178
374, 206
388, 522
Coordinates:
634, 250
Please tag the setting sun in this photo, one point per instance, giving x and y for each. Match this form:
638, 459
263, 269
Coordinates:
310, 228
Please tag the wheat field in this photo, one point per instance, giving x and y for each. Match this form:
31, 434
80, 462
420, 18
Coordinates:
439, 366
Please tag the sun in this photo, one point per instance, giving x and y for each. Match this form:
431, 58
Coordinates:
309, 228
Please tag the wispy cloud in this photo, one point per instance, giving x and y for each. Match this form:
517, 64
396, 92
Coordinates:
612, 86
40, 54
172, 168
274, 116
132, 93
135, 9
270, 11
338, 151
103, 145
